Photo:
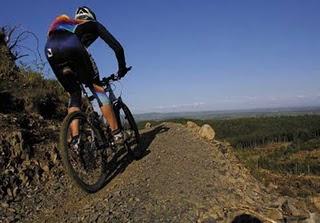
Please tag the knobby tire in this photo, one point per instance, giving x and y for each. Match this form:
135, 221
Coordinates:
64, 148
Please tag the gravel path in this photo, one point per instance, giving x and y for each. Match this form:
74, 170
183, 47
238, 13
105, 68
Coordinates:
181, 178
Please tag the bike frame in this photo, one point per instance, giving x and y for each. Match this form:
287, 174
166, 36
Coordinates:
107, 88
115, 101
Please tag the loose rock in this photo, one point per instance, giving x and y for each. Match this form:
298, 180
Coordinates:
193, 125
207, 132
148, 125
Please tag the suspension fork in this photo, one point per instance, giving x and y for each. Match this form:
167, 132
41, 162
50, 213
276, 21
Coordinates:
116, 104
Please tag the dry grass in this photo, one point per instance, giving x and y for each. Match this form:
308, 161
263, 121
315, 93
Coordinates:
30, 90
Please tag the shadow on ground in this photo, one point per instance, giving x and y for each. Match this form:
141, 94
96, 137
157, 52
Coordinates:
148, 137
246, 218
122, 159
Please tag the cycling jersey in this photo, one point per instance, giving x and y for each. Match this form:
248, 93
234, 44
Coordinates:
66, 47
88, 31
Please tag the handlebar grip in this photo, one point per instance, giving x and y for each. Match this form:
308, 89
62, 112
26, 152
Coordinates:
113, 77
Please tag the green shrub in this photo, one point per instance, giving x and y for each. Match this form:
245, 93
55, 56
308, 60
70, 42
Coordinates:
30, 91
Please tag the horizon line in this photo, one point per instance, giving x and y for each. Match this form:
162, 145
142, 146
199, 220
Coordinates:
235, 110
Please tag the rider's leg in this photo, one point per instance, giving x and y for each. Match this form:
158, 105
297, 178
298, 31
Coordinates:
74, 105
106, 108
74, 126
108, 113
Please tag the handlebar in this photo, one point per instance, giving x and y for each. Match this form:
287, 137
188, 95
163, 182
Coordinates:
113, 77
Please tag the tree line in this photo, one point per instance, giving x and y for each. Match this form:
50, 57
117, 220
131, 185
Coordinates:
253, 132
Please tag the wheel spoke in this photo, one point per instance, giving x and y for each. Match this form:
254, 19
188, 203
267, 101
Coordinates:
82, 155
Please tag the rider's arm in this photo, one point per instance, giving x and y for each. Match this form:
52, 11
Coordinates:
113, 43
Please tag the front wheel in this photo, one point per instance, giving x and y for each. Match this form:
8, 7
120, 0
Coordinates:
131, 132
85, 159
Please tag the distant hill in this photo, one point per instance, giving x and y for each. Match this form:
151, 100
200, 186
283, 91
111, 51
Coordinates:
225, 114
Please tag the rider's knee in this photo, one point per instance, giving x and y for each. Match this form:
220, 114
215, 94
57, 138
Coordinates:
103, 99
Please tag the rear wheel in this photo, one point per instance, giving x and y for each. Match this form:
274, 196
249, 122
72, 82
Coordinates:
131, 132
85, 161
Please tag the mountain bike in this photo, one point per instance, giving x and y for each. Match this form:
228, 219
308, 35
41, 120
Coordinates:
87, 164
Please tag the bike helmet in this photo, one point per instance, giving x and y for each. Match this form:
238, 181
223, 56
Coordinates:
85, 13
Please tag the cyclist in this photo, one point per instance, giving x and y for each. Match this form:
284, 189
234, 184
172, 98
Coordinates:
66, 51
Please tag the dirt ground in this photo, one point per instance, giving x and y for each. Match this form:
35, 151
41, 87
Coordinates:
181, 178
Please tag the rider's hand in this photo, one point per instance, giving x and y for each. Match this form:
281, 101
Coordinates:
122, 71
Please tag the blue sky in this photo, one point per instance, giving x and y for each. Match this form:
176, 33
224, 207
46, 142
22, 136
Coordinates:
199, 54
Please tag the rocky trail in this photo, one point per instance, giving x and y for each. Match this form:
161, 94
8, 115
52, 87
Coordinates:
181, 178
